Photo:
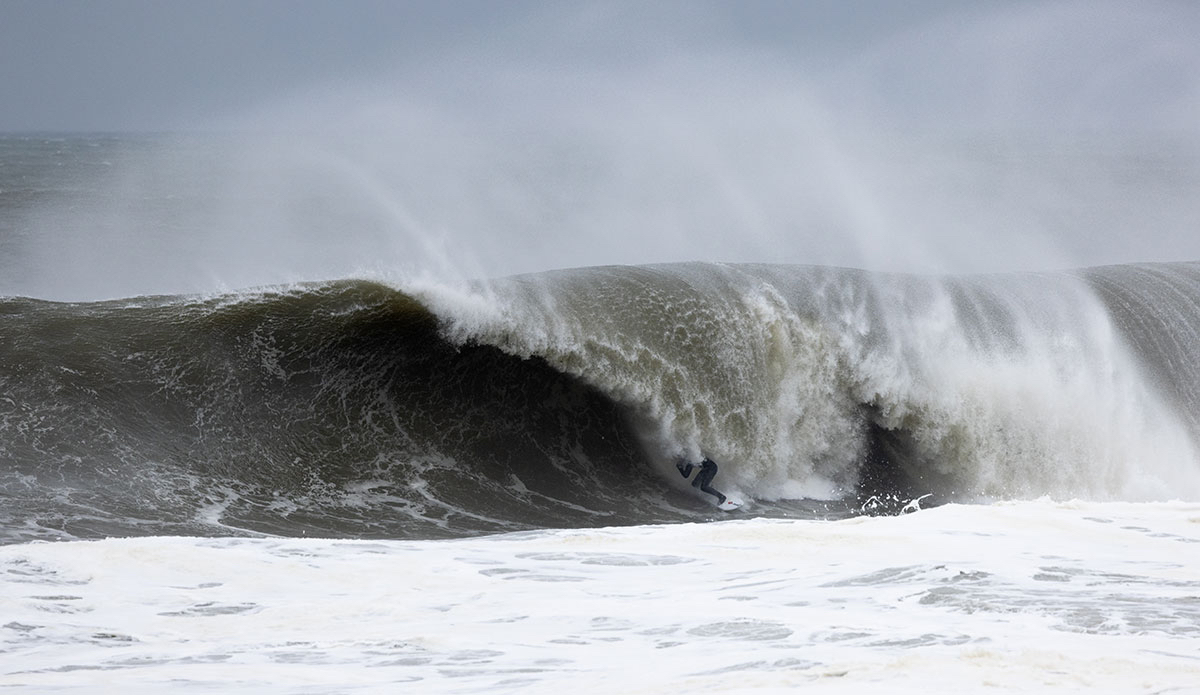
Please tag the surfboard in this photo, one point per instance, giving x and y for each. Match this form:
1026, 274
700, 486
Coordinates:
729, 504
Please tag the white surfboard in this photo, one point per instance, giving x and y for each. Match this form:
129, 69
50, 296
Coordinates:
729, 504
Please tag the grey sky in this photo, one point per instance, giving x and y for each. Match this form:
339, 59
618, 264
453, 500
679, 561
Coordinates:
497, 137
170, 64
150, 64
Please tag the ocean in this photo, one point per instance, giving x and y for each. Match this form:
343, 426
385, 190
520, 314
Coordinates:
373, 482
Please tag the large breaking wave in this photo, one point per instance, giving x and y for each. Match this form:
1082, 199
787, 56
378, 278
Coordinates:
354, 408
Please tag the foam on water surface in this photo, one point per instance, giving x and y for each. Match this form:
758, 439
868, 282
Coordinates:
1027, 595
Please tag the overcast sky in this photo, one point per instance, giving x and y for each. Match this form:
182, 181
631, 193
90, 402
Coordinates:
87, 65
494, 137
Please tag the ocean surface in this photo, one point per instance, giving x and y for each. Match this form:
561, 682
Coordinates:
383, 484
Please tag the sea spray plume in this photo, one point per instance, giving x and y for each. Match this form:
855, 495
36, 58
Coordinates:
520, 155
217, 213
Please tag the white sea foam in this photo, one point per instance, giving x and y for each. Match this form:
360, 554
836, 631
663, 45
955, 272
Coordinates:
1018, 596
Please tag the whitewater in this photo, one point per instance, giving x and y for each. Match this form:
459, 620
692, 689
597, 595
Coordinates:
1036, 596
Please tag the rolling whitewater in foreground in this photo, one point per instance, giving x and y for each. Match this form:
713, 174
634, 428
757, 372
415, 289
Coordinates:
364, 486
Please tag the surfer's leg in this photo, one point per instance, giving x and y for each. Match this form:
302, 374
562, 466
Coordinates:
714, 492
704, 477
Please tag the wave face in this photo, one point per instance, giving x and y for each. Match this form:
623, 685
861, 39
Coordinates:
562, 399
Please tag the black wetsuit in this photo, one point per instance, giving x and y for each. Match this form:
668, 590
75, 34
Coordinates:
708, 471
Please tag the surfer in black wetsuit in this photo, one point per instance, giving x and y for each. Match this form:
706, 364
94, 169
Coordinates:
708, 470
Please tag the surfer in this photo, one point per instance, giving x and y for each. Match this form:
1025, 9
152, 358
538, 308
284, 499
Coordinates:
708, 470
